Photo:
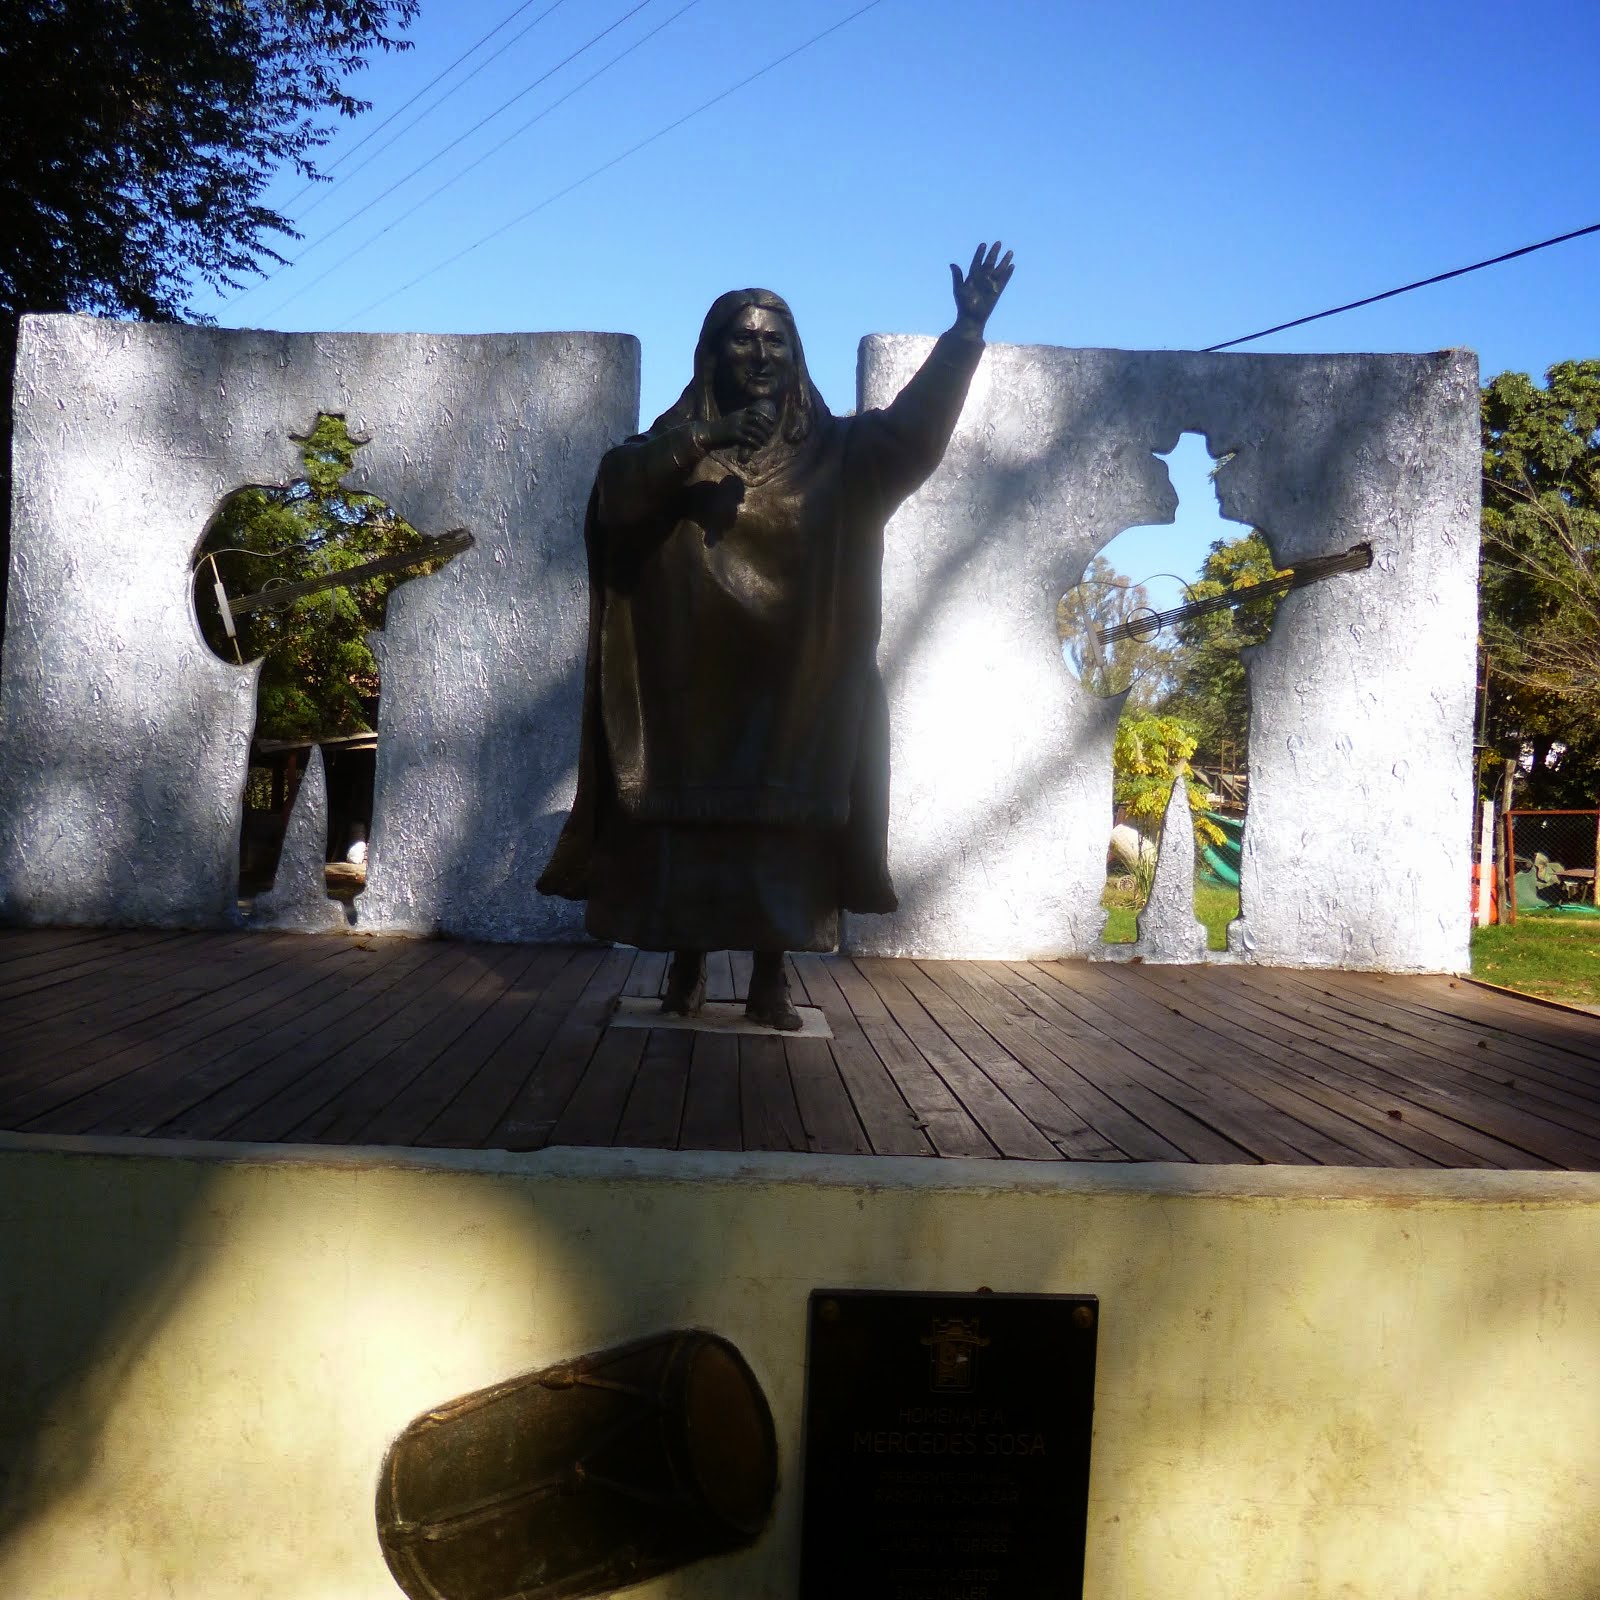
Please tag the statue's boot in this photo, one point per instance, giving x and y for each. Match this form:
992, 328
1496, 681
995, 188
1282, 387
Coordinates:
686, 984
769, 1002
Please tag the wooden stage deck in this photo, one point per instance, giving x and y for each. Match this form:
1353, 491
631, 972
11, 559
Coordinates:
288, 1038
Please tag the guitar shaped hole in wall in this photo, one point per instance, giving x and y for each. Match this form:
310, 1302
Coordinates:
1108, 628
298, 576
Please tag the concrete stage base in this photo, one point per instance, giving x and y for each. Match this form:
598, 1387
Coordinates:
1313, 1382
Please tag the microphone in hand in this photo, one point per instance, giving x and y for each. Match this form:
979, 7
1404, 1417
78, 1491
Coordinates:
764, 408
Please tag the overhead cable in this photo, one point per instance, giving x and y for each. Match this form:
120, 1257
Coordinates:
1406, 288
443, 151
477, 161
445, 72
616, 160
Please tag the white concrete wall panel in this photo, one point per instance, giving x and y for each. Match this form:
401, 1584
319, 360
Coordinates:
124, 739
1357, 848
1311, 1383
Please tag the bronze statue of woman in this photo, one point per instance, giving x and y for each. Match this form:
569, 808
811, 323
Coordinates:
733, 778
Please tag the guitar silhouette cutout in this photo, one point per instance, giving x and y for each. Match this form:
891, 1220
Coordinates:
1107, 656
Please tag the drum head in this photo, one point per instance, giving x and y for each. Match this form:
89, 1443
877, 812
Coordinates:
732, 1447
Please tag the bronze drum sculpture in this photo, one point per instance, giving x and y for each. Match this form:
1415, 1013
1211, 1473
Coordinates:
582, 1478
733, 778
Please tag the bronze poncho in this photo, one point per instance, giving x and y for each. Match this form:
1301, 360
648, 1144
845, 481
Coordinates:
734, 760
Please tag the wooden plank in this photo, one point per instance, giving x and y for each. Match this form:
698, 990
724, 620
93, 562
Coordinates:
741, 963
1243, 1120
1225, 1047
826, 1115
47, 969
768, 1114
711, 1100
1325, 1134
296, 1041
719, 976
1520, 1077
123, 1067
415, 1106
1428, 1085
17, 944
1378, 1004
648, 976
1501, 1101
104, 1001
1090, 1072
654, 1112
890, 1124
950, 1129
1007, 1128
35, 1002
1454, 1143
358, 1093
1316, 1070
540, 1101
1573, 1031
594, 1112
1073, 1136
32, 956
469, 1121
1452, 1103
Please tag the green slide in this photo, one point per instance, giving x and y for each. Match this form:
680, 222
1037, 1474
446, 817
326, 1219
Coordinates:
1220, 862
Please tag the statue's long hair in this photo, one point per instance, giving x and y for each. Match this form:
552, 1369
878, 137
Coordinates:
802, 404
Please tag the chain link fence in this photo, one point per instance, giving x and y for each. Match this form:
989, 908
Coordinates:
1552, 856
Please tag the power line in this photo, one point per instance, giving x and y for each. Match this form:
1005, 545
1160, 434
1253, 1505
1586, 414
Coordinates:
606, 166
439, 154
1406, 288
478, 161
428, 111
445, 72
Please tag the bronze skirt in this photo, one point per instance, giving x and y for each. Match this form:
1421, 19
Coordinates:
715, 886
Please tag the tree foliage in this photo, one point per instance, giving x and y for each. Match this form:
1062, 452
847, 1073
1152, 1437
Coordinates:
1539, 589
1209, 689
319, 678
1147, 754
137, 138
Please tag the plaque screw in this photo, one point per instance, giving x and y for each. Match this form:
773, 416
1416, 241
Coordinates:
828, 1311
1083, 1316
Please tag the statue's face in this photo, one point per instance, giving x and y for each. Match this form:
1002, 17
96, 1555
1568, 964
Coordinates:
755, 359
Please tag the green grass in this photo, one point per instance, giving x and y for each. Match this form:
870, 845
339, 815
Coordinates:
1213, 905
1546, 956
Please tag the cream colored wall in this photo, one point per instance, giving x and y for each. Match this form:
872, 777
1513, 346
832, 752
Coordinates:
1312, 1383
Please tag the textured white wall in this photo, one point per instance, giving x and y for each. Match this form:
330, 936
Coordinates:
125, 739
1357, 848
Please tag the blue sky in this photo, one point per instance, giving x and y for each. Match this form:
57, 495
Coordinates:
1170, 176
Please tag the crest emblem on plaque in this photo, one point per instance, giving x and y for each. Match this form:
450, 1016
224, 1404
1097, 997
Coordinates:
953, 1344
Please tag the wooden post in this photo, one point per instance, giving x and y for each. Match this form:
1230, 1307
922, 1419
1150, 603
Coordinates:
1508, 876
1487, 881
1507, 873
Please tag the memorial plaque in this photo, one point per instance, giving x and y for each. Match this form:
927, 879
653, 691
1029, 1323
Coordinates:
947, 1445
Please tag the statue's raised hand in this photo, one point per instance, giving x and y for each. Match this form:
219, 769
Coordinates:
977, 292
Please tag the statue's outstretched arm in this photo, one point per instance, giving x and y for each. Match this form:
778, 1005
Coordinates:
901, 445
